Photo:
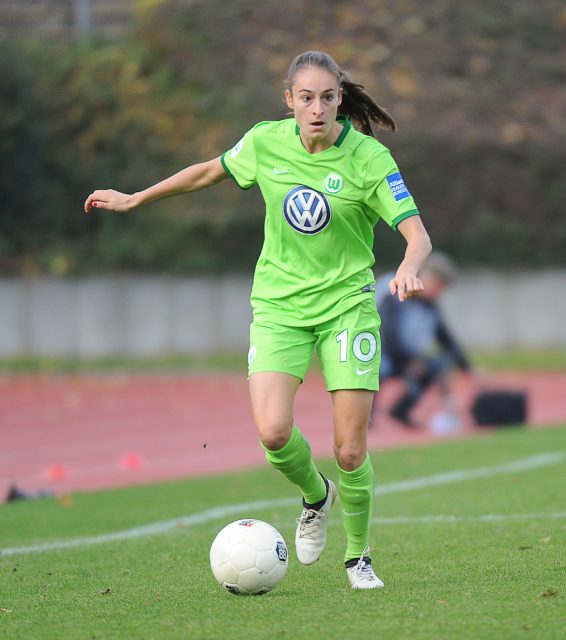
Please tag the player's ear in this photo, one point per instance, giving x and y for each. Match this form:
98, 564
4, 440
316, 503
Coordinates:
289, 99
340, 95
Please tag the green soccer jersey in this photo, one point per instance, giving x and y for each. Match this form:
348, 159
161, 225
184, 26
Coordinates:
320, 212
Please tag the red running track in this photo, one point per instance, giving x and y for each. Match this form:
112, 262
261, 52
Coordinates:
69, 433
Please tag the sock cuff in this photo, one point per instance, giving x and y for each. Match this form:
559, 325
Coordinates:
296, 436
359, 473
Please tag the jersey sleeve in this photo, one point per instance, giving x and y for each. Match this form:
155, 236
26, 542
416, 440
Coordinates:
386, 190
240, 161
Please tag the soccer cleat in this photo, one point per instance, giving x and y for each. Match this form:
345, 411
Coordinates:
361, 575
310, 538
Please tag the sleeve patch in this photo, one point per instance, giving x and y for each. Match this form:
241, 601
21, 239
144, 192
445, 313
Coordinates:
237, 148
398, 189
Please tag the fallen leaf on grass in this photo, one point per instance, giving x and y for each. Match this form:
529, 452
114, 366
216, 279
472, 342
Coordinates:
524, 547
105, 592
441, 601
549, 593
544, 540
2, 610
65, 500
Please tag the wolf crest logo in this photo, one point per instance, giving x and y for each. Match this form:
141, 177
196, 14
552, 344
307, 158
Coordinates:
333, 183
306, 210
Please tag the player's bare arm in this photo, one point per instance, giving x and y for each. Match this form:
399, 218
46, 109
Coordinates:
406, 282
193, 178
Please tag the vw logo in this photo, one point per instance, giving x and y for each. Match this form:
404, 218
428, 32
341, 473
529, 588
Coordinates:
306, 210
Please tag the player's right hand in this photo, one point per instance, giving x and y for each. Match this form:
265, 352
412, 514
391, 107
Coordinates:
405, 285
110, 200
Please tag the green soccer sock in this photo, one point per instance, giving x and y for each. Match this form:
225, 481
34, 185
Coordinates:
295, 462
356, 497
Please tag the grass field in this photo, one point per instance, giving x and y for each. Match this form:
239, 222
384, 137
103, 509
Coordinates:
516, 359
474, 547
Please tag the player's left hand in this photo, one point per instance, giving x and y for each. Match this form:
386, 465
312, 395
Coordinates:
405, 285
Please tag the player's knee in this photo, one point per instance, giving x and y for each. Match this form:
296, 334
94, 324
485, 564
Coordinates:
274, 441
349, 458
274, 434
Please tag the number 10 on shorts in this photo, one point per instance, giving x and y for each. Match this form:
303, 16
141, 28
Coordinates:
364, 346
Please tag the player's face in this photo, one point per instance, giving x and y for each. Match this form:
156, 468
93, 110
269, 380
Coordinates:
314, 98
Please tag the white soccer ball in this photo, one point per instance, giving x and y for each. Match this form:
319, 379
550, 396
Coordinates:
249, 557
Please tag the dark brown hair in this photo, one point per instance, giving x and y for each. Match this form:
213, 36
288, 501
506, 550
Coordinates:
357, 105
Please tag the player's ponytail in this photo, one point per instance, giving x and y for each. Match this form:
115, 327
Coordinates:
357, 105
362, 109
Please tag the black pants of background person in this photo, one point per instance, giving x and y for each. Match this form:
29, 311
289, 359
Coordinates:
419, 374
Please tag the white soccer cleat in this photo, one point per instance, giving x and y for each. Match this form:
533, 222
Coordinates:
361, 575
310, 538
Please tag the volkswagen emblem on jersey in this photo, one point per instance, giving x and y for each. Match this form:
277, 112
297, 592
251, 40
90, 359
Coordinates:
306, 210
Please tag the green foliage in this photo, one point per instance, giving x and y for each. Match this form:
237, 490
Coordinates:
21, 145
94, 117
474, 87
489, 204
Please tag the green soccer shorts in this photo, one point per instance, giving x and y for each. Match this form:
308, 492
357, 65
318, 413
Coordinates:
348, 348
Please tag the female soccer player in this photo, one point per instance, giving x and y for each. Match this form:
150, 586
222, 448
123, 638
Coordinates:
325, 185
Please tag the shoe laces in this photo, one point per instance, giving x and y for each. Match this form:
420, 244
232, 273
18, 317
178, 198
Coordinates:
309, 522
364, 569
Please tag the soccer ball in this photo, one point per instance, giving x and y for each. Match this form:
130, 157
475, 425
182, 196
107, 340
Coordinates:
249, 557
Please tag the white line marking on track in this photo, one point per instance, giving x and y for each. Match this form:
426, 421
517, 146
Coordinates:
245, 508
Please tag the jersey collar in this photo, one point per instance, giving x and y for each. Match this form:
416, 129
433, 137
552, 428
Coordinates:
346, 126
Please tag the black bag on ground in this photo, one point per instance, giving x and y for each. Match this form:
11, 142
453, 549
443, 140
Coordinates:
500, 408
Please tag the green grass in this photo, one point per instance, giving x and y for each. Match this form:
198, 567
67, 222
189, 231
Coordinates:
517, 360
111, 364
466, 579
522, 360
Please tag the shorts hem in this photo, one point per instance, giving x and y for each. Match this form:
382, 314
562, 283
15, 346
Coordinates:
351, 386
276, 370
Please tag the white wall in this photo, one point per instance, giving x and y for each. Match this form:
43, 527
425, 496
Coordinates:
526, 310
157, 315
123, 315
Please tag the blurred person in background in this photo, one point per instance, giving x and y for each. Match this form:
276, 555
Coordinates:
325, 185
416, 343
